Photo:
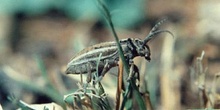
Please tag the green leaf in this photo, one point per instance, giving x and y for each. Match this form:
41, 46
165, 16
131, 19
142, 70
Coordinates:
138, 96
128, 104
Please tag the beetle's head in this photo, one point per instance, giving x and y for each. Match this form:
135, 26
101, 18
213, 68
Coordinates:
144, 51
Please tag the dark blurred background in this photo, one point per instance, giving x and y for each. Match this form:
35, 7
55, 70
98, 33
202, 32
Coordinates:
39, 37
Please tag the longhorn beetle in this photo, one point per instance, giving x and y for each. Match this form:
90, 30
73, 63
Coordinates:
86, 60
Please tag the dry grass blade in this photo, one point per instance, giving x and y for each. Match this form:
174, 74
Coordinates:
148, 102
144, 87
119, 86
216, 96
200, 76
201, 72
170, 94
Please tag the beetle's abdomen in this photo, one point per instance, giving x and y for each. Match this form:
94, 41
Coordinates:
84, 68
86, 61
80, 68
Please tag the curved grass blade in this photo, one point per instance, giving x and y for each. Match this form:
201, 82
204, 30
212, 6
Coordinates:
109, 21
131, 84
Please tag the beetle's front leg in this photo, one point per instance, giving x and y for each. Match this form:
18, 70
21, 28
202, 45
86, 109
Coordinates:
131, 51
134, 73
130, 62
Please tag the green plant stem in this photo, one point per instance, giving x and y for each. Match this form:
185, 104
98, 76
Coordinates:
109, 21
131, 83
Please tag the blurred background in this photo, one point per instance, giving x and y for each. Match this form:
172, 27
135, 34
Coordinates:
39, 37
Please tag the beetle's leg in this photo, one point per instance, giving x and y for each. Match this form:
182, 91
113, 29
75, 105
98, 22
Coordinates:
81, 78
89, 76
132, 50
134, 72
130, 61
131, 73
93, 79
104, 70
137, 75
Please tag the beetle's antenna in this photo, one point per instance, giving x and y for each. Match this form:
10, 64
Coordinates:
154, 31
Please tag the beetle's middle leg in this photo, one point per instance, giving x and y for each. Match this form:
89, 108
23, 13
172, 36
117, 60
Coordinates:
89, 75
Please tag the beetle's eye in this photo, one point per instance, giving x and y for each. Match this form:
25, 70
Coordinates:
147, 56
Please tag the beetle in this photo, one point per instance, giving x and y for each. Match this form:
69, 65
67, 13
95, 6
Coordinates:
86, 60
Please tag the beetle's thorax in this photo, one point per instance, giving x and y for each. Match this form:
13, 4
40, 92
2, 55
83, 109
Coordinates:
135, 47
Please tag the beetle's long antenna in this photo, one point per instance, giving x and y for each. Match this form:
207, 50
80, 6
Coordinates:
154, 31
